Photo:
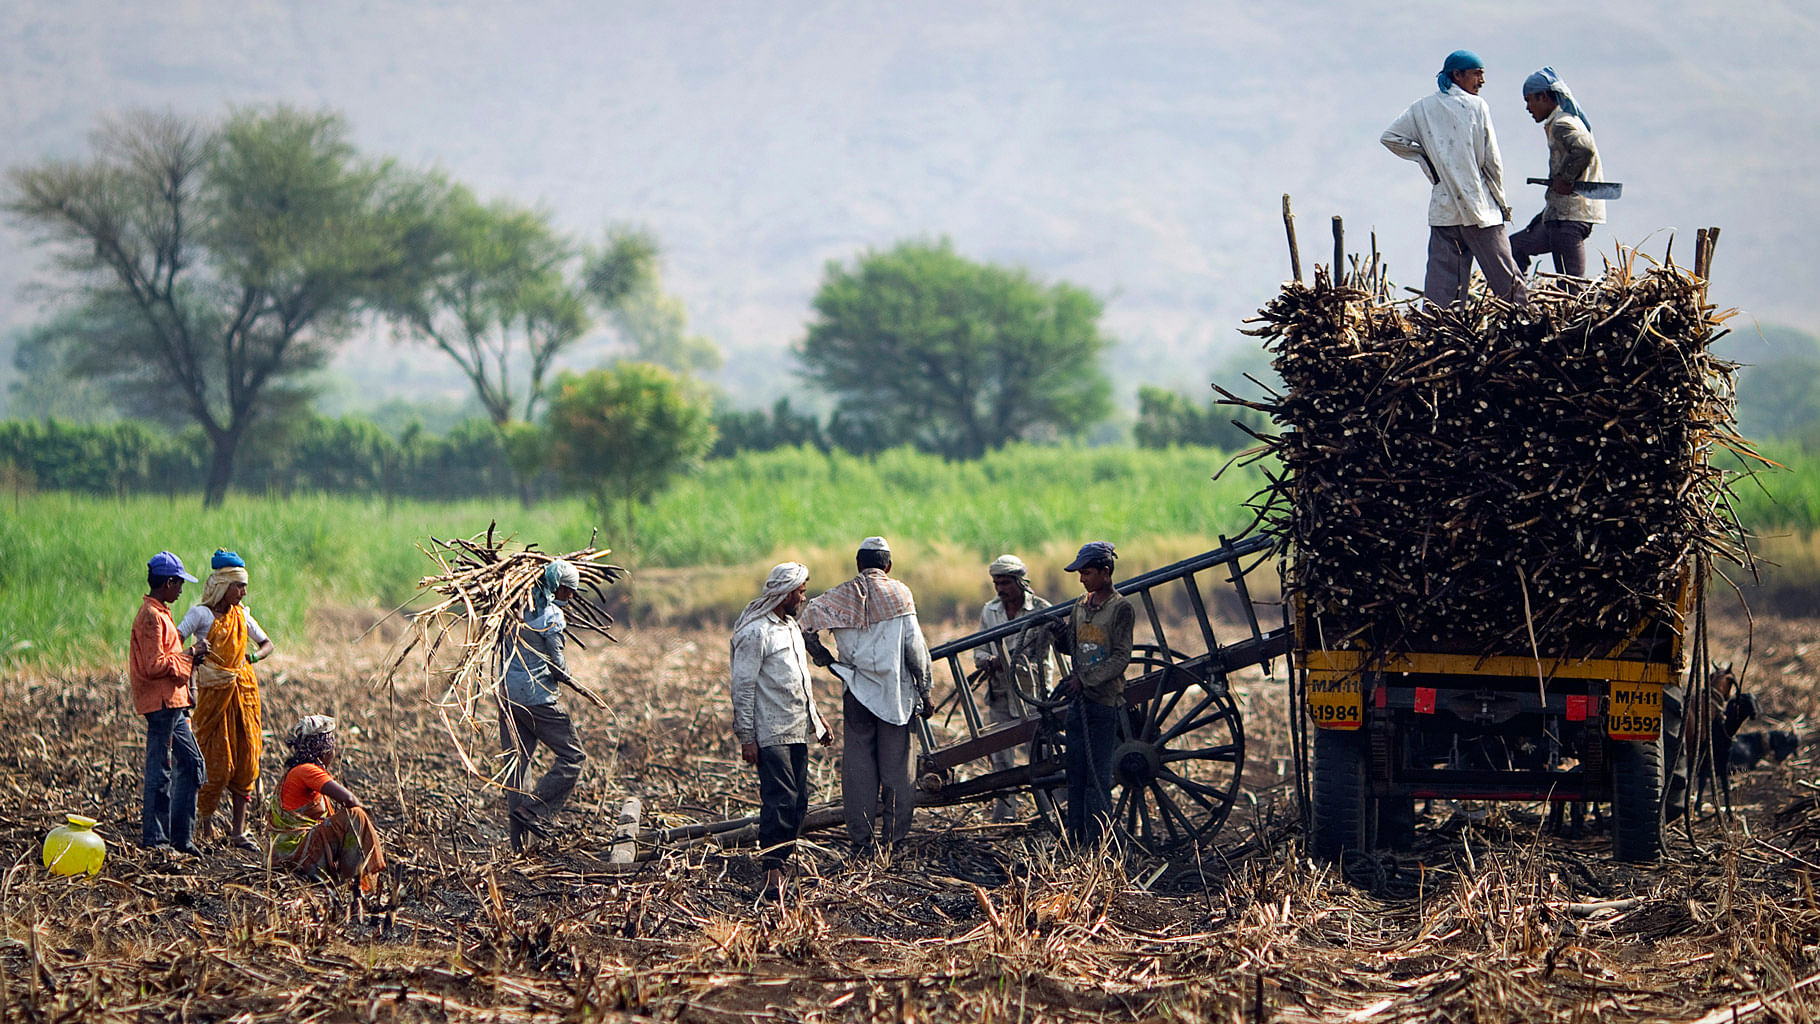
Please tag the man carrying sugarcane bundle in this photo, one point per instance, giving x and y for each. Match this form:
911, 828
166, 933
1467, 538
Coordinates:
531, 713
1567, 217
1449, 134
884, 663
774, 715
1020, 663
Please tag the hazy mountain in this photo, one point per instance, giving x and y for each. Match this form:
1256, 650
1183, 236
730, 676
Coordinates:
1140, 150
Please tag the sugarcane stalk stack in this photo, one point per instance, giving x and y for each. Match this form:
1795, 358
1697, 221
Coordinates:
1494, 478
464, 637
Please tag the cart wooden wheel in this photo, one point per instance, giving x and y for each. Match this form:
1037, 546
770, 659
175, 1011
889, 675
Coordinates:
1049, 786
1176, 773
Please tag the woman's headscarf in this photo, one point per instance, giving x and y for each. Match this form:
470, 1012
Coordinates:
1459, 60
784, 579
312, 741
215, 588
556, 574
1546, 80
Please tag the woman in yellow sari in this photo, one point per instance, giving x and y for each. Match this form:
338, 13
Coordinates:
227, 694
319, 828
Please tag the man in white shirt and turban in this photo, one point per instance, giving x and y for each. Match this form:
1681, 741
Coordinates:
774, 715
884, 664
1448, 133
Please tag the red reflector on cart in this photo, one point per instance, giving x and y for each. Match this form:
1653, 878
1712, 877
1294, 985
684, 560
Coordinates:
1578, 707
1380, 697
1425, 700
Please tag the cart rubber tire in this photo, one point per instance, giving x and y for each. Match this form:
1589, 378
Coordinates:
1341, 804
1636, 800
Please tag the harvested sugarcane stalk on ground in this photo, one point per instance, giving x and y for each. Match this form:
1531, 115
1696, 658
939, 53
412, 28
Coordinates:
483, 589
1493, 478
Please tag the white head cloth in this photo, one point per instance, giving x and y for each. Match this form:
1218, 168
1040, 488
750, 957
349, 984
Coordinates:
310, 725
1007, 565
784, 579
216, 586
875, 544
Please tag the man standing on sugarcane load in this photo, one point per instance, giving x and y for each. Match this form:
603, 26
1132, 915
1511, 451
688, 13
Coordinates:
1098, 637
1449, 134
1020, 663
884, 664
531, 713
1567, 218
774, 715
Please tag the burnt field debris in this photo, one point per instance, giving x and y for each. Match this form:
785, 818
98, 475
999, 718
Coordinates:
1487, 919
1484, 917
1493, 478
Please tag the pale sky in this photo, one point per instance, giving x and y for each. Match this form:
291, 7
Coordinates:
1138, 150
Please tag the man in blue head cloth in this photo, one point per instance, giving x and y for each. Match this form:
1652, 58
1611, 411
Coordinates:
1567, 217
530, 711
1448, 133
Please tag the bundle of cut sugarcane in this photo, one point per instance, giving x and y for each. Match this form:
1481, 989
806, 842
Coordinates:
483, 589
1493, 478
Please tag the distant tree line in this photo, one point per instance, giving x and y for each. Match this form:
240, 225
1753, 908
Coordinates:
209, 266
1168, 418
345, 455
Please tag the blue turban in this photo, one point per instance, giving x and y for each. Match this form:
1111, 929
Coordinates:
226, 560
557, 573
1547, 81
1459, 60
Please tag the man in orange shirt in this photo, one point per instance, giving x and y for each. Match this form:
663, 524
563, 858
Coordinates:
159, 670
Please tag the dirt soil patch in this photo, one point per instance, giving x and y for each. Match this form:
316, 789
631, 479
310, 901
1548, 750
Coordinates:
1488, 919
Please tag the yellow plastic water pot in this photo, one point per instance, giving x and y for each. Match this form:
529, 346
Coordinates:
75, 849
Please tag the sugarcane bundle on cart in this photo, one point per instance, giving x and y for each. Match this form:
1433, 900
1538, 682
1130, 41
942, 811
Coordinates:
464, 637
1493, 477
1498, 521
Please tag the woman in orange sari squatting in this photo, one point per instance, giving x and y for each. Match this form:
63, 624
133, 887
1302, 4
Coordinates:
319, 828
227, 693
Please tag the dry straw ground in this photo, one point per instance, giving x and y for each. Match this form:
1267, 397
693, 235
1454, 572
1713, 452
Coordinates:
1487, 921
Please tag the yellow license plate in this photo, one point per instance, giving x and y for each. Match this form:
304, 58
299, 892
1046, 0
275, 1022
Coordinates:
1336, 703
1634, 712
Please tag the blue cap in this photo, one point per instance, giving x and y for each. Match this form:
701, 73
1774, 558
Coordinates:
226, 560
1092, 551
166, 564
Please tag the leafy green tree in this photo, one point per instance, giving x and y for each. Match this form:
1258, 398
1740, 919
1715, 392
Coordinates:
214, 264
922, 346
504, 295
753, 430
655, 328
46, 380
1168, 417
1779, 383
624, 432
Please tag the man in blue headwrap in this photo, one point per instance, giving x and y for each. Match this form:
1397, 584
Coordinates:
1567, 217
530, 713
1449, 134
